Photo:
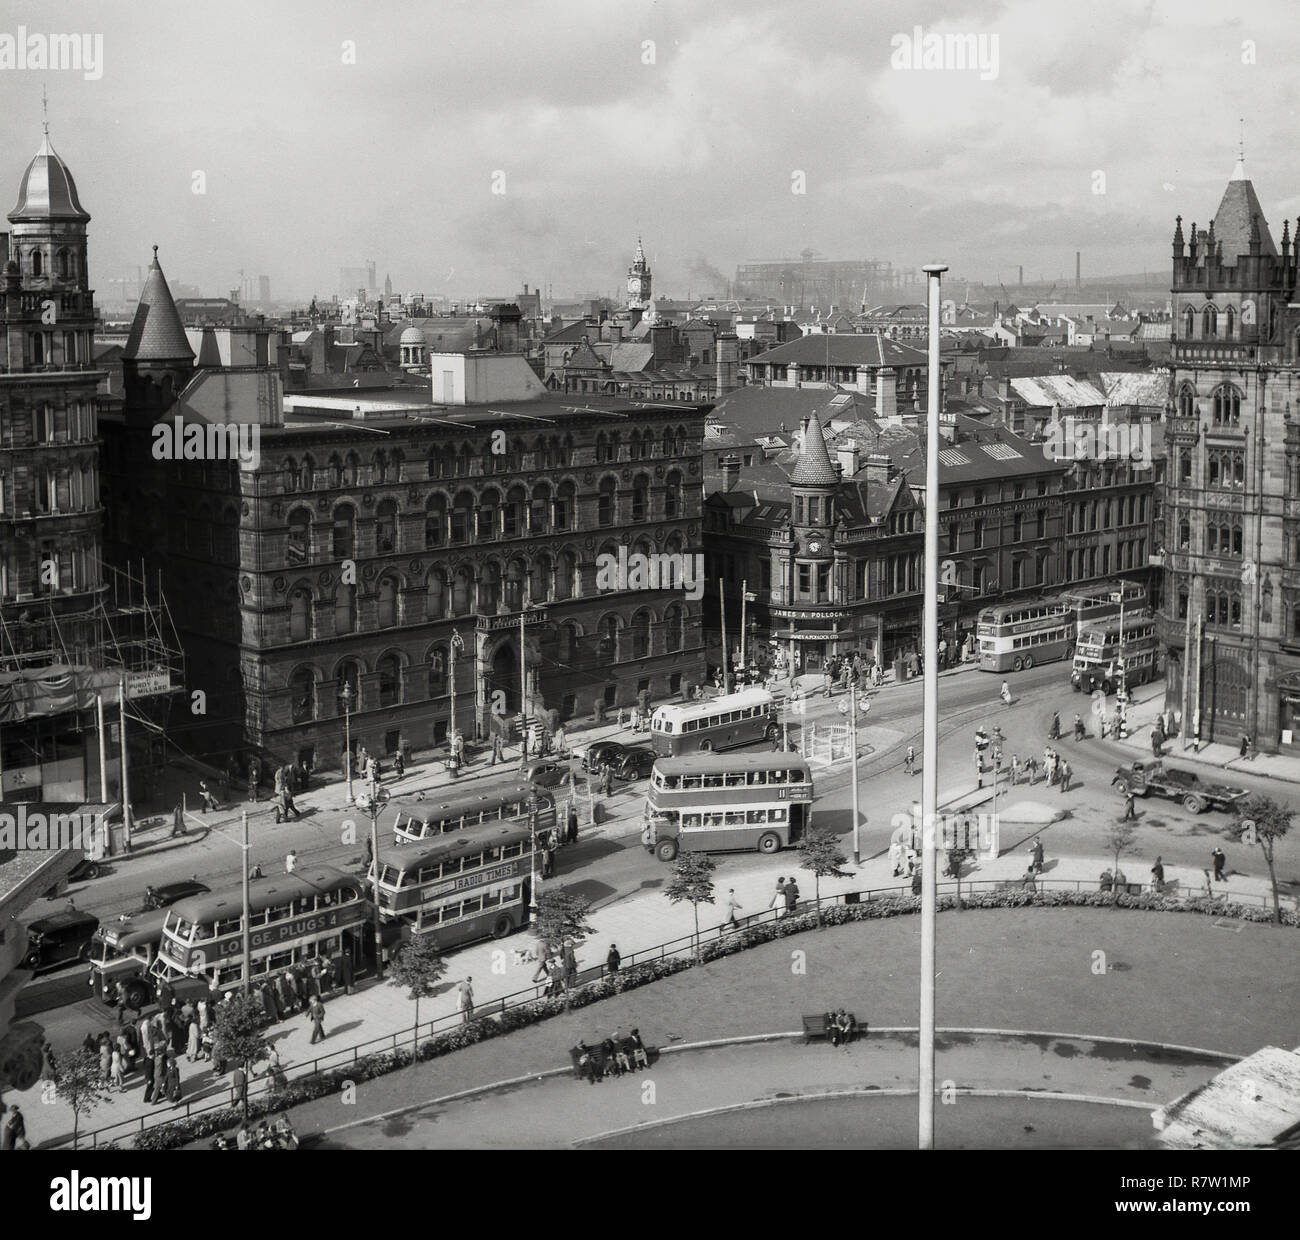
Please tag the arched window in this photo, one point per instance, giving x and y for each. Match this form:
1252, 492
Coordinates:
634, 446
539, 508
302, 695
568, 636
1186, 402
38, 263
345, 534
608, 638
289, 474
352, 472
1227, 405
641, 633
1230, 322
66, 265
489, 589
462, 592
512, 515
670, 444
673, 494
462, 514
1189, 321
602, 448
606, 502
437, 661
336, 470
565, 504
435, 594
386, 526
674, 627
349, 676
345, 609
539, 578
566, 576
640, 498
488, 506
463, 459
435, 521
1209, 322
300, 615
516, 575
565, 454
387, 599
389, 673
307, 474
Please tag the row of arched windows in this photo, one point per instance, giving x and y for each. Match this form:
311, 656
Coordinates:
65, 263
1225, 404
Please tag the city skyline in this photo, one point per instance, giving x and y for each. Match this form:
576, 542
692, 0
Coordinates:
692, 130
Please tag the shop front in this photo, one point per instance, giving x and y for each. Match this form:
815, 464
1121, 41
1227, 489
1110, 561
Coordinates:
1288, 713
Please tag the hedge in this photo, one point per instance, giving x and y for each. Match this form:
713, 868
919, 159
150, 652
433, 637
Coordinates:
307, 1089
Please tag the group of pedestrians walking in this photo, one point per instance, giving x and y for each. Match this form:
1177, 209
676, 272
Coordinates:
785, 899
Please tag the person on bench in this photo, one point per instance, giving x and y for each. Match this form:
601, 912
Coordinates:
844, 1027
620, 1053
612, 1067
587, 1063
637, 1047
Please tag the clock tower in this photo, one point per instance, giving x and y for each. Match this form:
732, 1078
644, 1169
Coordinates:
811, 588
638, 280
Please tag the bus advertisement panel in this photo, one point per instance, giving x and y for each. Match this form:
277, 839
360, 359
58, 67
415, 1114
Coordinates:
704, 803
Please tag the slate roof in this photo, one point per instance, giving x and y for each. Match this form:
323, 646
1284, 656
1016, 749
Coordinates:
156, 332
1063, 390
1232, 219
842, 350
813, 468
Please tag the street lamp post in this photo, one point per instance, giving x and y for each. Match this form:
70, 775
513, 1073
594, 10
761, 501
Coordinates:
347, 733
930, 750
370, 803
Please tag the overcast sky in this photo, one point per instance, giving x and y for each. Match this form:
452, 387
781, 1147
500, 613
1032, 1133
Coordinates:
312, 163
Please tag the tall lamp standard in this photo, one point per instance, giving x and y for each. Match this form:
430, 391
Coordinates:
370, 802
347, 732
930, 746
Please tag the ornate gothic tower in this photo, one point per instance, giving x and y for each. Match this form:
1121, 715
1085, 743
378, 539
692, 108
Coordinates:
638, 280
1230, 618
50, 515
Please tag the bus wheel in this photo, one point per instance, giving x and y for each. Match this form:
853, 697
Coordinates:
769, 843
1018, 664
1029, 661
1106, 687
92, 871
1076, 686
772, 732
502, 926
706, 746
666, 850
137, 994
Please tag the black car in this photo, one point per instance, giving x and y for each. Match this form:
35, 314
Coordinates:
59, 939
635, 762
167, 894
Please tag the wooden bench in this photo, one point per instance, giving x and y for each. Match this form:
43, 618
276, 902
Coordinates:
818, 1026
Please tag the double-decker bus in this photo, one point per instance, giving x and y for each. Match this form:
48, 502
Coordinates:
1015, 636
462, 886
469, 808
1102, 600
122, 953
706, 803
315, 912
715, 723
1105, 652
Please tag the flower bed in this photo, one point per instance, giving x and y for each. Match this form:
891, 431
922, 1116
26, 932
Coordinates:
308, 1088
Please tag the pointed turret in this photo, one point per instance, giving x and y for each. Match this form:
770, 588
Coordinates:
813, 468
1238, 215
157, 336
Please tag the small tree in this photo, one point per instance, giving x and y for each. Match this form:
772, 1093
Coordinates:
561, 915
419, 967
819, 853
78, 1082
238, 1036
692, 880
1263, 821
1117, 841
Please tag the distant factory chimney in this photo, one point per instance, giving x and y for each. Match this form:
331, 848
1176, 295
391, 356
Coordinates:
1078, 269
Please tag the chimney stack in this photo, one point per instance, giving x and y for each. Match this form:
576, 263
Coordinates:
886, 393
878, 468
730, 466
728, 363
847, 453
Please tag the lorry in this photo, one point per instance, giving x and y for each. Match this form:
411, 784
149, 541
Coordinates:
1157, 779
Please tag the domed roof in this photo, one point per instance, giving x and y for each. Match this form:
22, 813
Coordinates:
412, 335
156, 332
47, 191
813, 468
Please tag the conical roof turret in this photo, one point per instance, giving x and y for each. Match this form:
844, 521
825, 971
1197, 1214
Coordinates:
156, 332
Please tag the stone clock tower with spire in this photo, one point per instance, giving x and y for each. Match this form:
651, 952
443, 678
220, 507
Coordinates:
638, 280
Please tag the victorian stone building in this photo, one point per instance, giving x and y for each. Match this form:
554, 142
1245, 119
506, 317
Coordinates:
405, 547
1231, 615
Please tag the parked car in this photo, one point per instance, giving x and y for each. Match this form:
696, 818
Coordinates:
1155, 778
168, 893
546, 772
617, 753
635, 762
59, 939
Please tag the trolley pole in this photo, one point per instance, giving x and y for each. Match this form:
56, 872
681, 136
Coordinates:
126, 779
853, 740
248, 939
930, 750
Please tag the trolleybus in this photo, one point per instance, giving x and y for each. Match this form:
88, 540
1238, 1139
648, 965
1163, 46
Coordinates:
1107, 657
1015, 636
708, 803
315, 912
1103, 600
715, 723
462, 886
121, 955
467, 809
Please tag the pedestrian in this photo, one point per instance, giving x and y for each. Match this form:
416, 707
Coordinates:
399, 764
548, 858
571, 824
1130, 799
1079, 730
370, 853
778, 897
1005, 694
1037, 851
1219, 862
173, 1079
607, 780
254, 779
1157, 875
916, 881
290, 861
1157, 741
146, 1066
791, 897
1031, 770
316, 1014
206, 797
896, 857
14, 1135
465, 1000
613, 959
733, 907
1065, 777
115, 1069
238, 1085
570, 963
909, 761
